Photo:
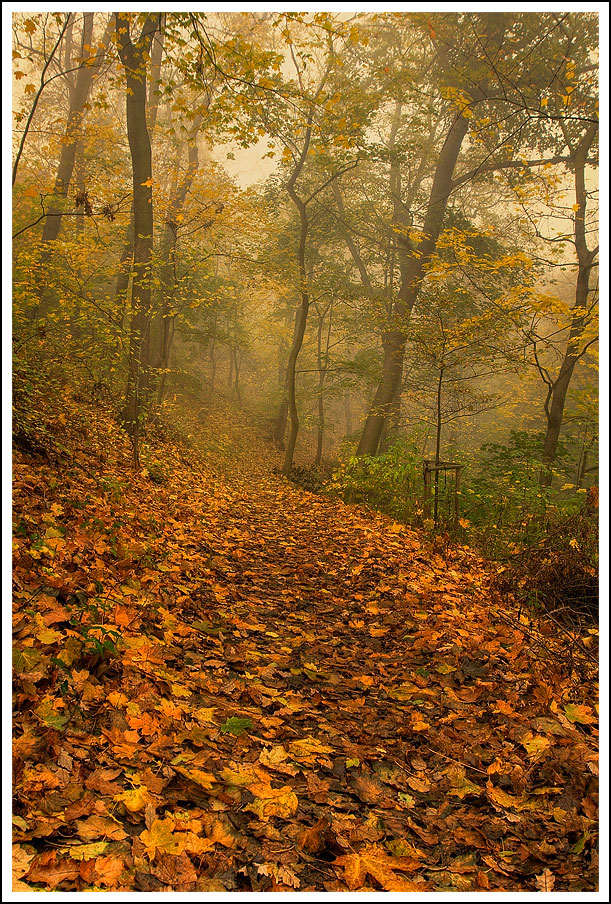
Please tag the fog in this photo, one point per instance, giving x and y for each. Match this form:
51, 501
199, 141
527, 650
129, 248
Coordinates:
374, 235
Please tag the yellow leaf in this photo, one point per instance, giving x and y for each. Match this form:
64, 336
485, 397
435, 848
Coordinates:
87, 851
460, 784
535, 744
501, 798
135, 799
420, 725
281, 802
201, 778
576, 712
160, 838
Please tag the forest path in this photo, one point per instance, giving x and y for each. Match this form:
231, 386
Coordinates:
305, 696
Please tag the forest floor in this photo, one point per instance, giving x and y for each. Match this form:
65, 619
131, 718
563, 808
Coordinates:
225, 683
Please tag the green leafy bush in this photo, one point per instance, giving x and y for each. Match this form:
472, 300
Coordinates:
503, 506
391, 482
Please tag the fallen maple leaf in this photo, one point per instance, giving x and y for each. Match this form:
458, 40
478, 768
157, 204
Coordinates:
108, 869
135, 799
204, 779
161, 838
277, 802
380, 866
99, 827
50, 870
21, 860
576, 712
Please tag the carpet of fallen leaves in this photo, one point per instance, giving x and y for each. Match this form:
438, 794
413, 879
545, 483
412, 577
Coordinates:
229, 684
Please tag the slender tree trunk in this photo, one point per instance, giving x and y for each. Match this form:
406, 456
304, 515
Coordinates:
127, 255
300, 325
438, 443
78, 99
412, 275
212, 357
235, 352
168, 277
283, 408
124, 272
558, 390
381, 407
322, 373
133, 57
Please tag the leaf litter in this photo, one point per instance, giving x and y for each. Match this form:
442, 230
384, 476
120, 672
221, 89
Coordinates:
225, 683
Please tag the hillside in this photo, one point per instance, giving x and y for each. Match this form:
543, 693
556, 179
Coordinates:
225, 683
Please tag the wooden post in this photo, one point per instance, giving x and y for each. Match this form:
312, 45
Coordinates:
456, 491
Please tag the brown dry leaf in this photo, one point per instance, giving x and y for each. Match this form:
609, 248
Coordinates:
546, 880
204, 779
51, 870
285, 876
177, 872
460, 784
107, 870
369, 789
354, 870
375, 862
21, 860
222, 831
150, 814
418, 783
500, 798
277, 802
26, 744
315, 838
99, 827
102, 780
310, 750
318, 788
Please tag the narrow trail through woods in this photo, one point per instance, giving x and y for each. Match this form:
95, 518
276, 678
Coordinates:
305, 696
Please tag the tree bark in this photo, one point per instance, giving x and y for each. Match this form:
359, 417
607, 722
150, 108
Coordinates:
300, 325
133, 57
283, 408
164, 331
323, 365
558, 389
127, 254
412, 270
438, 429
78, 98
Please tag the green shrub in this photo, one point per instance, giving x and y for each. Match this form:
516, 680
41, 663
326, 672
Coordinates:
391, 482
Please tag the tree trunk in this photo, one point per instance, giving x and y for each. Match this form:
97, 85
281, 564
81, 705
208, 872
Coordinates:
556, 399
235, 357
78, 98
301, 317
133, 57
127, 254
322, 373
283, 409
164, 331
382, 404
438, 444
412, 275
300, 325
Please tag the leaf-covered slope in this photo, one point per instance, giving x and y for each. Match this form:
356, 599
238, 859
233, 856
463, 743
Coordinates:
231, 684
